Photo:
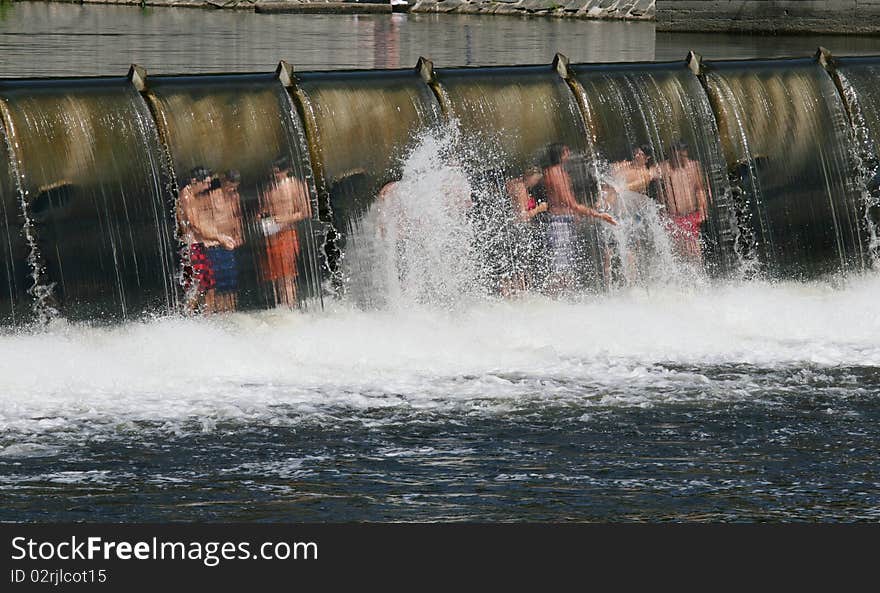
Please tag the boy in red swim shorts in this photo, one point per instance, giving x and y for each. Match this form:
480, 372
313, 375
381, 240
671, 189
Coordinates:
684, 195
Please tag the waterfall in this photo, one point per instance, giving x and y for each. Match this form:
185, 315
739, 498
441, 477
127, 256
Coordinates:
22, 267
417, 243
92, 197
248, 226
122, 198
361, 124
652, 108
857, 80
783, 126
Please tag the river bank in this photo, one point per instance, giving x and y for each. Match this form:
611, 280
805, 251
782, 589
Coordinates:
717, 16
582, 9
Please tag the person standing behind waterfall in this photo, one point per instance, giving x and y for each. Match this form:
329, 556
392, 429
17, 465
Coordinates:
210, 217
638, 173
530, 249
285, 203
225, 238
198, 276
685, 198
635, 179
563, 208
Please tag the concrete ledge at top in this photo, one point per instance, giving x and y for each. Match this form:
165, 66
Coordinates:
769, 16
322, 8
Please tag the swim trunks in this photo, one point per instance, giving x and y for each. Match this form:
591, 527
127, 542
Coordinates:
688, 226
225, 268
531, 251
282, 251
685, 231
199, 269
561, 244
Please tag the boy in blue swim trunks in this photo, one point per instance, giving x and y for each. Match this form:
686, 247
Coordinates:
214, 218
564, 209
226, 204
225, 268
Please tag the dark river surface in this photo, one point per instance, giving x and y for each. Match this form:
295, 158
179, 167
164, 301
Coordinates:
743, 401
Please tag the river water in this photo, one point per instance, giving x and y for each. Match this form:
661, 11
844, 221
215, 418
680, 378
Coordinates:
47, 39
685, 401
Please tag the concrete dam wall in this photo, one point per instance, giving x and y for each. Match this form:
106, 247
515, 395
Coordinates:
129, 196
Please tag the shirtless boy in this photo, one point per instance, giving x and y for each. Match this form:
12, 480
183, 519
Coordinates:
198, 277
285, 203
638, 173
563, 208
210, 213
685, 197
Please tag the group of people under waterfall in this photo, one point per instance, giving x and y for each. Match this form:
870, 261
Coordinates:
678, 184
542, 245
214, 229
551, 199
533, 218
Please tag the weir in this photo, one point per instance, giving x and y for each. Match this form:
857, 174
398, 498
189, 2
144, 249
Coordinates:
784, 135
361, 125
857, 79
509, 115
509, 119
14, 302
246, 202
158, 194
654, 108
96, 220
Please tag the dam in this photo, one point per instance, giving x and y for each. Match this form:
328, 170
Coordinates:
158, 194
435, 319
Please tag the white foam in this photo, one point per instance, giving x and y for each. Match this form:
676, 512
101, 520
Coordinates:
632, 348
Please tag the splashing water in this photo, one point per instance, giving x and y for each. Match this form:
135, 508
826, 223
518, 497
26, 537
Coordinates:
439, 346
416, 243
864, 155
641, 244
436, 238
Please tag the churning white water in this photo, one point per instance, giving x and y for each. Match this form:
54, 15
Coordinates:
282, 367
